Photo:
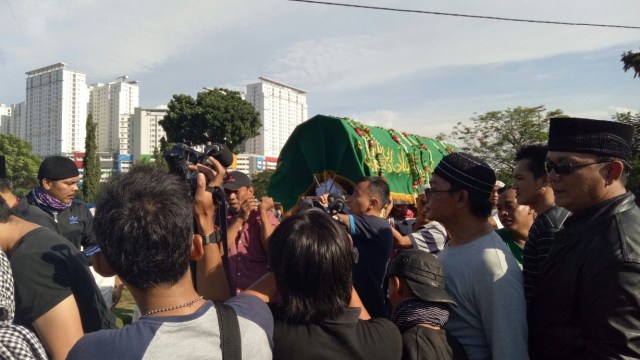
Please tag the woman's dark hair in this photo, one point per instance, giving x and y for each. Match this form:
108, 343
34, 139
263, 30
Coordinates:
143, 224
311, 257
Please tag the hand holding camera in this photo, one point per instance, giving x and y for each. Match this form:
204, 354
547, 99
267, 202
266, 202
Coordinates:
249, 205
203, 205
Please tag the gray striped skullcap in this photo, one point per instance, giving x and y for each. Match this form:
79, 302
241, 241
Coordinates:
467, 172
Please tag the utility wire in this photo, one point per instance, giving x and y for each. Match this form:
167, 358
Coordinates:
468, 16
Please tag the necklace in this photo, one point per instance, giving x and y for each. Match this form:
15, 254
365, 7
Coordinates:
187, 304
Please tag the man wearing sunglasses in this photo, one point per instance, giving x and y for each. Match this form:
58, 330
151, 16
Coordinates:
587, 302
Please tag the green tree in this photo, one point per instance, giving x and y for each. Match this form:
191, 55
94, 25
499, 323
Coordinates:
631, 61
496, 135
22, 165
158, 160
217, 115
260, 182
92, 172
158, 155
633, 182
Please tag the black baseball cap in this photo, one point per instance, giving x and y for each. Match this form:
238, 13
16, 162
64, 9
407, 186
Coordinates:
423, 273
235, 180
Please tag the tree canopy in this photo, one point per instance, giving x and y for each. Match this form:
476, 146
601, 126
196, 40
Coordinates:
631, 61
633, 182
260, 182
495, 136
92, 172
22, 165
217, 115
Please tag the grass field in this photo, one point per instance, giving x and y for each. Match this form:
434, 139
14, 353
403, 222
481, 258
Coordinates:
124, 309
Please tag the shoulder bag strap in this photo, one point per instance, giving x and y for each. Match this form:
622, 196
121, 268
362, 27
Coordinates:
230, 341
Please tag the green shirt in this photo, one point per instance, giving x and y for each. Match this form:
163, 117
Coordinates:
513, 245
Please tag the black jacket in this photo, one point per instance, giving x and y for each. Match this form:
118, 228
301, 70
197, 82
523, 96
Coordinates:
75, 223
587, 303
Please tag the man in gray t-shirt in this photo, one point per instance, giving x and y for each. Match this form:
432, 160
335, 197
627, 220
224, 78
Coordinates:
145, 232
481, 274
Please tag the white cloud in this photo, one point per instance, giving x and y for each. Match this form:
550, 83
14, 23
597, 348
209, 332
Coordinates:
383, 118
425, 43
107, 39
337, 54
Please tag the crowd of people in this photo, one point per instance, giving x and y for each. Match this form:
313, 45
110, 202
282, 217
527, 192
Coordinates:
545, 267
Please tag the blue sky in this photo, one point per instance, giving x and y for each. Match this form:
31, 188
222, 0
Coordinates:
417, 73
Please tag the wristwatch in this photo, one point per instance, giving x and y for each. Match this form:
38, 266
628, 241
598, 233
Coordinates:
213, 238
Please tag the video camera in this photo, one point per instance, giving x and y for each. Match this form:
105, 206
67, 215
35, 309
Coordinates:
182, 155
337, 204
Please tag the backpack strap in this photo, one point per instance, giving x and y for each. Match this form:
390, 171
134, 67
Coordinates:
230, 341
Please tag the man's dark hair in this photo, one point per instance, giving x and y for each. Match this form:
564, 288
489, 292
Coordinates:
378, 188
537, 156
5, 211
479, 204
311, 257
143, 224
505, 188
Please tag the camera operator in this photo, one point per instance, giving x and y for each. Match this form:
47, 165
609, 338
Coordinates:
249, 225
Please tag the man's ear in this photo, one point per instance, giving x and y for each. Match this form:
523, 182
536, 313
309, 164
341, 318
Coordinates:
197, 249
614, 172
47, 184
403, 287
461, 197
374, 203
250, 190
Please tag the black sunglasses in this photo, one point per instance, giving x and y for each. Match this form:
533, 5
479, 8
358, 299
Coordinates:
567, 168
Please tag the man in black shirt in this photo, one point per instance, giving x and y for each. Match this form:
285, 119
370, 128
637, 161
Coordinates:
372, 237
533, 188
55, 292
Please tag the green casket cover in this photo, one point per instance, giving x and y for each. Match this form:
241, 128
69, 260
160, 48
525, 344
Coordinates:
328, 147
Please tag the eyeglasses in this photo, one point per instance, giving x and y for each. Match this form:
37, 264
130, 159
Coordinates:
567, 168
428, 192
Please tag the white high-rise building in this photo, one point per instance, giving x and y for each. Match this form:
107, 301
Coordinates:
281, 108
5, 118
147, 131
56, 110
111, 106
18, 123
12, 120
